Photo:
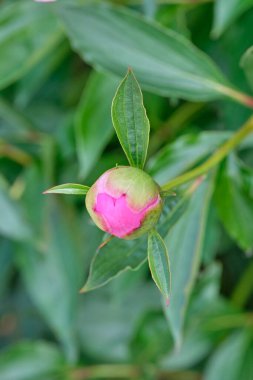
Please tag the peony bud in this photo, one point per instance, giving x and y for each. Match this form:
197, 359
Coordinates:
125, 202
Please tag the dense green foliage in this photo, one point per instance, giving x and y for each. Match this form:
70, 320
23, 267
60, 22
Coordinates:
60, 67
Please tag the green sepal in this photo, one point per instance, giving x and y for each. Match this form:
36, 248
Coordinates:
69, 189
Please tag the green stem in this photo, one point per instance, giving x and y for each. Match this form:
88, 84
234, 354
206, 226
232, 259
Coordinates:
218, 156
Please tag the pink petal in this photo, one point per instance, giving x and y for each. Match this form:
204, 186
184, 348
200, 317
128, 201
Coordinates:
119, 218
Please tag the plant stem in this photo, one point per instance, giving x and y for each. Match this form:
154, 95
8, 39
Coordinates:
218, 156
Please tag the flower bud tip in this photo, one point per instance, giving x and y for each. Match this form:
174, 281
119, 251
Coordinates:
124, 202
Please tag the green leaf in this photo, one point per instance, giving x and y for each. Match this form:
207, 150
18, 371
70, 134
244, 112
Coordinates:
225, 12
68, 188
100, 312
13, 223
159, 265
185, 241
247, 64
206, 304
52, 266
233, 359
130, 120
152, 339
166, 63
28, 32
93, 124
234, 199
108, 263
30, 84
31, 361
13, 125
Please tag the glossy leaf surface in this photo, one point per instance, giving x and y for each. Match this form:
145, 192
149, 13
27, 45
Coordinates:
130, 120
159, 265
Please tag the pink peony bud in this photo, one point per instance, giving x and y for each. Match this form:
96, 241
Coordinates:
125, 202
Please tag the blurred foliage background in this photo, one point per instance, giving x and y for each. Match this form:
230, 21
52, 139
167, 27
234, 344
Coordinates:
55, 127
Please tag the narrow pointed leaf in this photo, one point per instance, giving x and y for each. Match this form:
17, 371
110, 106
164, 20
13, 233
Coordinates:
113, 38
130, 120
69, 189
159, 265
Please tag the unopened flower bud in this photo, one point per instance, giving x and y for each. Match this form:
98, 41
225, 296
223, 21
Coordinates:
125, 202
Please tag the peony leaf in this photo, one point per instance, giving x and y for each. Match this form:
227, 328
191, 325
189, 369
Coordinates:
113, 38
159, 264
130, 120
